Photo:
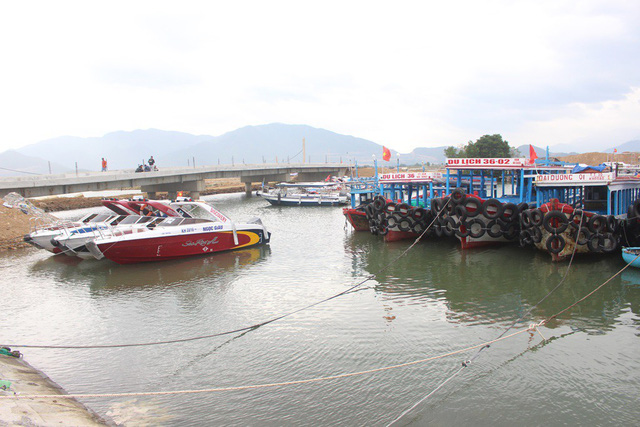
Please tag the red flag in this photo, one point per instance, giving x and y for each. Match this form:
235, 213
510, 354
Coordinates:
532, 154
386, 154
328, 178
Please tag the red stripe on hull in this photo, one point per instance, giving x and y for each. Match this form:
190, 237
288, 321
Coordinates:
357, 219
174, 247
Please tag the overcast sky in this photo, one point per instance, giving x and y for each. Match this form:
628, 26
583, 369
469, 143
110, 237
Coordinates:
402, 74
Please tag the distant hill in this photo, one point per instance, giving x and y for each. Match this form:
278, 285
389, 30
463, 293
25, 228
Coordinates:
13, 163
122, 150
540, 152
249, 144
424, 155
255, 144
631, 146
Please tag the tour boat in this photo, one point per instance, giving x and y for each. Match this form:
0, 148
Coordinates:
586, 212
202, 229
357, 217
305, 194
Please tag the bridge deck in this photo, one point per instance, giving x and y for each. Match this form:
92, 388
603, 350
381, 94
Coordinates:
166, 179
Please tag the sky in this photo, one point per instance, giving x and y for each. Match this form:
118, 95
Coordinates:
403, 74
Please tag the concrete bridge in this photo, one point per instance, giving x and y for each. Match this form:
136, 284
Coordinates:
169, 180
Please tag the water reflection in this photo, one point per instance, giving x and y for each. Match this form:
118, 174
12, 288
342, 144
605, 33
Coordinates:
495, 285
106, 277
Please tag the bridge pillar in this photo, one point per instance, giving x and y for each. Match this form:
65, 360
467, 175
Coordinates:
247, 188
193, 187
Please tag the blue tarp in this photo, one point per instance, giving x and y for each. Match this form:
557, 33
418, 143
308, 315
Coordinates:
578, 168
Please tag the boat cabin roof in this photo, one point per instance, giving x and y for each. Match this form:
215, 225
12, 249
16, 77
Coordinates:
200, 210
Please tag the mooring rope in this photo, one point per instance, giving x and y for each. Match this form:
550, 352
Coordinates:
246, 328
533, 326
277, 384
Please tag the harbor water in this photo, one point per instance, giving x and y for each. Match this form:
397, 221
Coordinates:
432, 300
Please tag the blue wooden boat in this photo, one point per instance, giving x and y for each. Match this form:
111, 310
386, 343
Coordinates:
630, 255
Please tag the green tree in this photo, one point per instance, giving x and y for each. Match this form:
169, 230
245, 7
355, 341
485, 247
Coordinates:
485, 146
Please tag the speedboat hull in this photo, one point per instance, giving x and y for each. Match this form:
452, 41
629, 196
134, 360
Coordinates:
150, 246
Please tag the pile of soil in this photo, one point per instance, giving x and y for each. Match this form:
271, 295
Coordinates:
595, 159
13, 225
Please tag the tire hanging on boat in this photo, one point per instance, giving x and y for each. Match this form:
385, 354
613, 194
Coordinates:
597, 223
594, 243
526, 219
379, 202
473, 207
494, 229
582, 237
437, 227
526, 237
510, 231
404, 224
461, 212
609, 243
555, 222
536, 234
510, 212
418, 213
458, 195
552, 246
403, 209
492, 208
449, 226
536, 217
390, 207
475, 227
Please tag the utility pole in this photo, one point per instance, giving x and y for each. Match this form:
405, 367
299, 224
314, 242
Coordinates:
304, 151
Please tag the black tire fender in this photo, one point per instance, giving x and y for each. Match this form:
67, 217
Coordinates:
560, 245
597, 223
494, 229
472, 230
550, 222
449, 226
457, 195
492, 208
473, 207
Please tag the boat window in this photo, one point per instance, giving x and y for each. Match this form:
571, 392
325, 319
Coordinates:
117, 220
101, 218
89, 217
145, 219
595, 198
130, 219
169, 222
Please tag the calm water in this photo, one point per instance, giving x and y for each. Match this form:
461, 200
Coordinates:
434, 300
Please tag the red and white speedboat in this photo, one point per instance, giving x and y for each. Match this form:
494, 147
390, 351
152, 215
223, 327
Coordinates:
201, 230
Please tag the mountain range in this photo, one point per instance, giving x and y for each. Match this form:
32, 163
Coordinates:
269, 143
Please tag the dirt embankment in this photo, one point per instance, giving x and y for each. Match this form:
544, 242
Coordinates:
595, 159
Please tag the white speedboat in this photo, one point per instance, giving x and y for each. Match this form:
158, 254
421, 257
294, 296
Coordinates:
202, 229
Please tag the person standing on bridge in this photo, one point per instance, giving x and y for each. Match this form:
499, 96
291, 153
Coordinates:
151, 162
104, 165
